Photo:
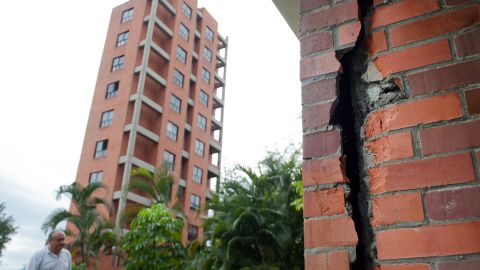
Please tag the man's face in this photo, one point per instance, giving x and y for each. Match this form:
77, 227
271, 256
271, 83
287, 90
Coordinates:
57, 242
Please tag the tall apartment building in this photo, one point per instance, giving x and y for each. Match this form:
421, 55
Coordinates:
158, 101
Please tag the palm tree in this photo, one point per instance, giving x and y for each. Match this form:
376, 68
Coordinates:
92, 230
255, 226
157, 186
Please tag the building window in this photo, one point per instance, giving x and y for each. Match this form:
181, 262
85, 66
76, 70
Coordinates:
101, 148
117, 62
175, 103
206, 75
127, 15
184, 32
194, 202
178, 78
203, 98
112, 90
106, 119
197, 174
172, 131
168, 161
201, 122
187, 10
209, 33
181, 54
181, 194
199, 147
192, 232
95, 177
207, 53
122, 39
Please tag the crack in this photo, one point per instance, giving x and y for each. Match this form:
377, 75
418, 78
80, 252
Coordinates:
352, 105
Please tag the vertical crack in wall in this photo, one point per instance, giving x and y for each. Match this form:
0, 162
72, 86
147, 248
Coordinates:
349, 114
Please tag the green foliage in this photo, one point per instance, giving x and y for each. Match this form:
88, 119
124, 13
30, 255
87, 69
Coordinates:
298, 203
255, 225
92, 232
81, 266
154, 241
7, 228
157, 186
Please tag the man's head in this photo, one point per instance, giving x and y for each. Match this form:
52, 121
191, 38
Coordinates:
56, 241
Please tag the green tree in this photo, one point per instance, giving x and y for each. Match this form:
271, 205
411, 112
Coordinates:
255, 225
154, 240
92, 231
157, 186
7, 228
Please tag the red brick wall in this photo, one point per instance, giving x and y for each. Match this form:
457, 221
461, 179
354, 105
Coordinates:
424, 170
330, 236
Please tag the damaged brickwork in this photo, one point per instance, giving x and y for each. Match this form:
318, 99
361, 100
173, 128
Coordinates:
390, 96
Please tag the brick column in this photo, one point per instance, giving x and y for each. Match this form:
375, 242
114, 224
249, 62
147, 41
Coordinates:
421, 149
330, 237
424, 174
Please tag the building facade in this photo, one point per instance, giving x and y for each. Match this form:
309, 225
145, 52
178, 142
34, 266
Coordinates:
158, 101
391, 124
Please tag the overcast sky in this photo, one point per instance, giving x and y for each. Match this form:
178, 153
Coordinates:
50, 54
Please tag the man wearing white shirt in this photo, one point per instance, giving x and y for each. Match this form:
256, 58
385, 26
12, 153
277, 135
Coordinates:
54, 256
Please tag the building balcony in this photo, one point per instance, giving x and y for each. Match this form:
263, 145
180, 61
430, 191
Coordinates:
213, 171
216, 124
150, 103
144, 132
168, 6
221, 62
215, 146
152, 74
222, 42
133, 198
137, 162
219, 81
156, 48
217, 102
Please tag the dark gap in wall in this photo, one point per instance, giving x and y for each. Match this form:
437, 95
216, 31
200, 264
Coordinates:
349, 114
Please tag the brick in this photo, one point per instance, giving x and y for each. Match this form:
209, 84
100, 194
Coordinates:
396, 146
327, 17
327, 261
401, 11
348, 33
324, 202
468, 43
451, 137
415, 266
316, 42
376, 42
462, 265
473, 101
422, 173
458, 75
412, 113
397, 208
319, 91
330, 232
434, 26
318, 65
453, 204
311, 4
322, 171
415, 57
321, 143
457, 2
429, 241
317, 115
